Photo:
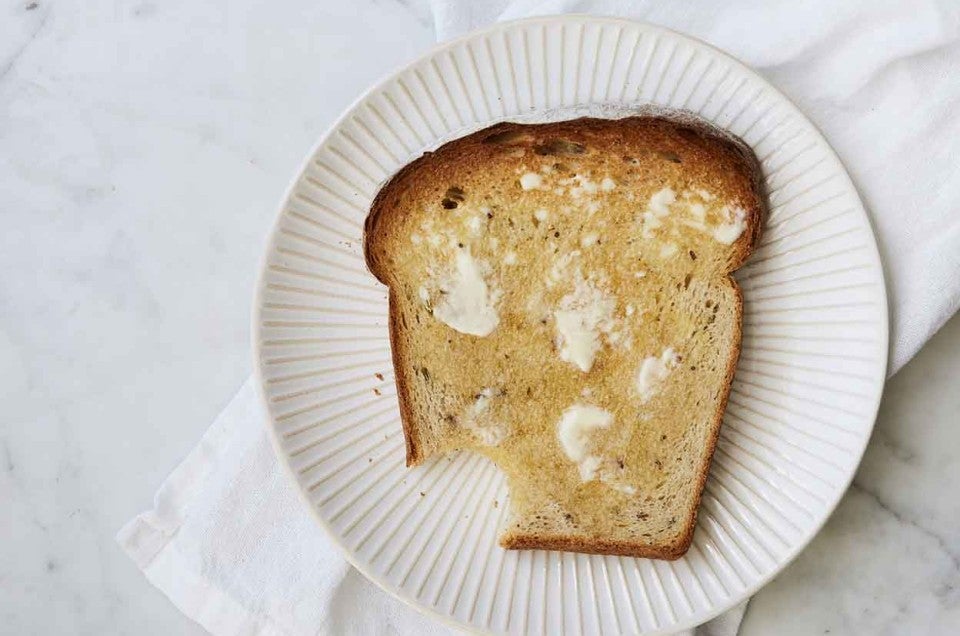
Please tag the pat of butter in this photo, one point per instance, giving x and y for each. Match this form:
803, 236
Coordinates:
653, 371
575, 431
474, 224
661, 201
657, 208
730, 231
488, 432
589, 467
607, 184
699, 211
467, 304
531, 181
583, 314
668, 250
584, 186
576, 425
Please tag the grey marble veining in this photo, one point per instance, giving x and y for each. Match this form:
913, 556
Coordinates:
888, 560
143, 148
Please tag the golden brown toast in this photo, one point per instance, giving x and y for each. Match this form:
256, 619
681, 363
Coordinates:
561, 302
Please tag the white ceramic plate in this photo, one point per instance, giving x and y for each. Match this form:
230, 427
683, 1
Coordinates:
803, 400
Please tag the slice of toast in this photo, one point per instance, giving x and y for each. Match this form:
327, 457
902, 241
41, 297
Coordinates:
561, 302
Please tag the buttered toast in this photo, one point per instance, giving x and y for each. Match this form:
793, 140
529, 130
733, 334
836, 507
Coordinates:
561, 302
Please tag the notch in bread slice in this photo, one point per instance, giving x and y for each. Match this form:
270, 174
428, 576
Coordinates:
561, 302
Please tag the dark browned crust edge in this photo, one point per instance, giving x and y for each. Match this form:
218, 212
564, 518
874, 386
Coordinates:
414, 456
594, 546
378, 205
681, 119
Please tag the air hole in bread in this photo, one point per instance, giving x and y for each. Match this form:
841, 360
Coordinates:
508, 137
559, 147
453, 197
672, 157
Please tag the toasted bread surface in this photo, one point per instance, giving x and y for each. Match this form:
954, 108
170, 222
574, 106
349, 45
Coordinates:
561, 302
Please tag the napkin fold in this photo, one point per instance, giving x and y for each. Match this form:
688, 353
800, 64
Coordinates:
230, 543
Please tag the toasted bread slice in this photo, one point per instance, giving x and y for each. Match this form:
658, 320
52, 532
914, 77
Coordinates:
561, 302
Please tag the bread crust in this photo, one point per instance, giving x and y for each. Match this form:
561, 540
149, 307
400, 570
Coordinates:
686, 538
413, 454
597, 546
470, 151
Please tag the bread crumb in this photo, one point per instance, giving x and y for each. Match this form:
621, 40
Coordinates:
376, 392
378, 376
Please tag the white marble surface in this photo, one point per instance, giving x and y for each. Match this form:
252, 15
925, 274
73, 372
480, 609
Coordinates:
143, 147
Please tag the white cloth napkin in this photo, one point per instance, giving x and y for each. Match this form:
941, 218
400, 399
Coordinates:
228, 540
